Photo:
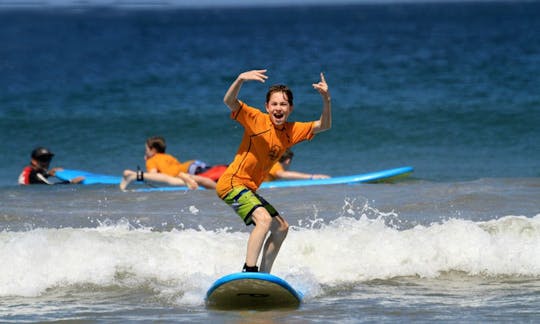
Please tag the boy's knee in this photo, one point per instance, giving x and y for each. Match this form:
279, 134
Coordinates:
281, 226
284, 229
261, 218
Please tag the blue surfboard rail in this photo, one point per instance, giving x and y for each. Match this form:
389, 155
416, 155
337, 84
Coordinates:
254, 275
171, 188
377, 176
358, 178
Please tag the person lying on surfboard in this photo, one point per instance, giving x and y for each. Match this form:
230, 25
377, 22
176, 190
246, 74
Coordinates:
165, 168
266, 137
280, 170
200, 168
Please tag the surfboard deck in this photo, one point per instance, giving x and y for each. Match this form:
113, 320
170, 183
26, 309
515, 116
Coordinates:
90, 177
370, 177
252, 290
377, 176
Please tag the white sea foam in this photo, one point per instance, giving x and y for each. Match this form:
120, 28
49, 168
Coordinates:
347, 250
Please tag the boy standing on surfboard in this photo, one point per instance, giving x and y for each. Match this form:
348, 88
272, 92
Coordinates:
266, 137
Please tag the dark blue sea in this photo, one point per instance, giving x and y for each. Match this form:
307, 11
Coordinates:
451, 89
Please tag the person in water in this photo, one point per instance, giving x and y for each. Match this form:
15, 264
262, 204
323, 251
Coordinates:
280, 170
266, 137
200, 168
164, 168
37, 172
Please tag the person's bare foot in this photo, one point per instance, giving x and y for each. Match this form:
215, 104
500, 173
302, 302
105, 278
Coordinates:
128, 177
191, 184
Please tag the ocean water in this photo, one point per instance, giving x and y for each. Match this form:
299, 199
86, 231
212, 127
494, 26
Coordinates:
450, 89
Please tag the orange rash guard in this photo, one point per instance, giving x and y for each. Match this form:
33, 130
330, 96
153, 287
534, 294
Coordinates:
166, 164
262, 145
272, 174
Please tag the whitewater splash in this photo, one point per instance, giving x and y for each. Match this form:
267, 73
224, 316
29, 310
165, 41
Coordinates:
346, 250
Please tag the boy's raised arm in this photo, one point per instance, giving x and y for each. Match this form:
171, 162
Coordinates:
231, 97
325, 122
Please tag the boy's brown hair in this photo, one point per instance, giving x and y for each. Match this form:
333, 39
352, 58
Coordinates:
287, 155
280, 88
157, 143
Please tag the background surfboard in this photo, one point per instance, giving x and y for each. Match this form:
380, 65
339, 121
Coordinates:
388, 175
89, 177
378, 176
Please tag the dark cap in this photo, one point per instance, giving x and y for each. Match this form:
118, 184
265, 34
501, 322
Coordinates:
41, 152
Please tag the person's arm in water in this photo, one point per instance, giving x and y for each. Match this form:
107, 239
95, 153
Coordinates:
231, 96
76, 180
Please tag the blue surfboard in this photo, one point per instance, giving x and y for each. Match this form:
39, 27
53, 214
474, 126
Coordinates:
89, 177
252, 290
377, 176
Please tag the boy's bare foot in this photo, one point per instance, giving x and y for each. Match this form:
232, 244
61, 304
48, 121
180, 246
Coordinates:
128, 177
191, 184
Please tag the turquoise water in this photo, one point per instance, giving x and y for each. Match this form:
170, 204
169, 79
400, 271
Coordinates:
450, 89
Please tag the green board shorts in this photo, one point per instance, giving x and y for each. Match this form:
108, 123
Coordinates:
245, 201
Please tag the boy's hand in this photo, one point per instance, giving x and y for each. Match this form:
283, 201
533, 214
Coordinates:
77, 180
322, 87
52, 172
254, 75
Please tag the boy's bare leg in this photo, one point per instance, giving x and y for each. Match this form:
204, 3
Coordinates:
205, 182
188, 180
279, 230
172, 181
263, 221
128, 177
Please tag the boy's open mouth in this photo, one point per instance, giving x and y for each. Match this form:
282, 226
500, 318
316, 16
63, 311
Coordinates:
278, 115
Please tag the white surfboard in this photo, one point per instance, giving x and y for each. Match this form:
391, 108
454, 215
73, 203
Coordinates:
252, 290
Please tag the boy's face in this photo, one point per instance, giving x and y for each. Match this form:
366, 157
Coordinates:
42, 163
287, 163
149, 152
278, 108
